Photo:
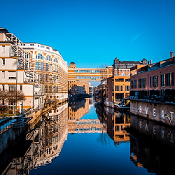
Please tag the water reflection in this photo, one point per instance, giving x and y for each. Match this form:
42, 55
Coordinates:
152, 146
127, 143
115, 122
47, 139
79, 125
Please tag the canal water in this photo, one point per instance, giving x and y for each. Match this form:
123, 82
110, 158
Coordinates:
84, 138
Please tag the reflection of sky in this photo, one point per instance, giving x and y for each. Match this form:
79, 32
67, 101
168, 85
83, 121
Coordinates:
87, 154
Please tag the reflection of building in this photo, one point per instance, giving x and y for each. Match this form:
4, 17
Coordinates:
77, 125
91, 89
100, 91
78, 108
86, 126
47, 140
152, 146
121, 122
116, 125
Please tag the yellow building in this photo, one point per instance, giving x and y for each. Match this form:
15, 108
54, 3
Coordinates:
121, 87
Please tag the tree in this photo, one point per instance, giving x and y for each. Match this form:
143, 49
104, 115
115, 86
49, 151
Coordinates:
11, 97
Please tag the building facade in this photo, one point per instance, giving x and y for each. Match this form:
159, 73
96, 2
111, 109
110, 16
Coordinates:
50, 70
154, 81
37, 70
153, 91
118, 87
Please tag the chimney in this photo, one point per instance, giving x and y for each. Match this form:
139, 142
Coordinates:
171, 54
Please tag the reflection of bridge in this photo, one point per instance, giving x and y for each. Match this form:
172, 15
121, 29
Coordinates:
88, 74
85, 126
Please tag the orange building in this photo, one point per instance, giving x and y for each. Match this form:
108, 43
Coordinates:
78, 78
78, 109
118, 87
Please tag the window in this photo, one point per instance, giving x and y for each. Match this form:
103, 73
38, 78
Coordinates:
139, 83
12, 87
50, 78
39, 56
47, 67
3, 49
31, 44
27, 55
53, 68
121, 88
12, 74
127, 88
3, 74
42, 66
155, 81
131, 84
50, 67
3, 61
171, 78
143, 82
163, 80
50, 89
127, 80
54, 78
37, 65
119, 80
135, 83
20, 87
116, 88
3, 87
117, 128
150, 81
46, 89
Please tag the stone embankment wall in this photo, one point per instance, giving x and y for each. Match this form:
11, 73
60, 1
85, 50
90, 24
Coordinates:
160, 112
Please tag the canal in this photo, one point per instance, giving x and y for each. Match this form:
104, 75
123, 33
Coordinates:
84, 138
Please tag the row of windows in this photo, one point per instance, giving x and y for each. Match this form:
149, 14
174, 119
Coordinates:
51, 89
11, 87
120, 88
38, 46
166, 80
89, 71
122, 80
48, 67
92, 78
11, 74
47, 78
40, 56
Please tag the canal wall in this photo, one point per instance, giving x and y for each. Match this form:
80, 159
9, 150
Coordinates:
159, 133
11, 136
160, 112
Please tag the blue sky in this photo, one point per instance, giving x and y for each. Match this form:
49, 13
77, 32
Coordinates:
92, 33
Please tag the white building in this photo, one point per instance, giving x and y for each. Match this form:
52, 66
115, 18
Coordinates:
37, 70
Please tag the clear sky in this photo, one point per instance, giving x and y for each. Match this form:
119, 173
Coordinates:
92, 33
